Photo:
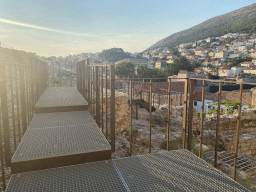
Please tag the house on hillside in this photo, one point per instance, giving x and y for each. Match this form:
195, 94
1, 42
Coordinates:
247, 64
250, 70
237, 69
161, 64
225, 71
197, 101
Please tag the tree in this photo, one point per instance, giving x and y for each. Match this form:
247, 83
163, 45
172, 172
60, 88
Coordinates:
180, 63
125, 69
144, 72
195, 64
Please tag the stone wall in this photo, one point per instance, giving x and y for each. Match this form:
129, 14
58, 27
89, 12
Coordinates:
246, 145
227, 129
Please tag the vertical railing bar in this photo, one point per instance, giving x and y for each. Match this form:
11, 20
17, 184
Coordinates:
202, 120
97, 95
13, 115
150, 116
53, 73
17, 101
113, 96
168, 114
217, 127
237, 129
190, 114
185, 99
102, 99
131, 84
2, 158
106, 102
5, 116
23, 99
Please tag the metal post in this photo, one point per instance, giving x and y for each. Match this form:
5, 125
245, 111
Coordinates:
159, 101
190, 114
112, 107
168, 114
5, 117
97, 95
237, 129
102, 99
130, 117
13, 115
217, 127
23, 99
185, 113
2, 159
202, 120
106, 102
59, 74
150, 115
17, 100
53, 74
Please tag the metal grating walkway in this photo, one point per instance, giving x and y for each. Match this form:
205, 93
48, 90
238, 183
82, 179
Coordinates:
54, 140
61, 99
177, 170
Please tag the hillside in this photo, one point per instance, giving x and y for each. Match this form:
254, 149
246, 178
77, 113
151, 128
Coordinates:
242, 21
114, 54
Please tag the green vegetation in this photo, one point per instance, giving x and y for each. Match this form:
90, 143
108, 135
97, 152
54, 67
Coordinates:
212, 111
173, 144
125, 69
249, 104
144, 72
199, 115
160, 120
114, 54
180, 63
234, 104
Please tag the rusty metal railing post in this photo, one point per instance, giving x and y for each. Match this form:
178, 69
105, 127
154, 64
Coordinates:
23, 99
5, 117
202, 120
150, 116
13, 112
190, 114
82, 77
159, 101
168, 115
53, 74
97, 95
217, 127
112, 106
185, 104
237, 129
17, 101
130, 150
102, 99
88, 84
2, 160
106, 102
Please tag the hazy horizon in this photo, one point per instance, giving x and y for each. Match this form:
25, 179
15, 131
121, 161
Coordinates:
62, 28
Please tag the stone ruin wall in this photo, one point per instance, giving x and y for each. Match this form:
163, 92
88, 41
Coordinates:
247, 141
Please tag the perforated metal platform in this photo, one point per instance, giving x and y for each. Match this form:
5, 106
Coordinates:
177, 170
61, 99
99, 176
43, 148
168, 171
44, 120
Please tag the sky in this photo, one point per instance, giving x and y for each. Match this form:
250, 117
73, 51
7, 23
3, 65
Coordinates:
62, 27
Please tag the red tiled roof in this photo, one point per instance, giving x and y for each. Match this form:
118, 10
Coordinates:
251, 68
198, 96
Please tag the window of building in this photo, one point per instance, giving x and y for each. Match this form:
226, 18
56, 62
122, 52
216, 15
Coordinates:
195, 103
